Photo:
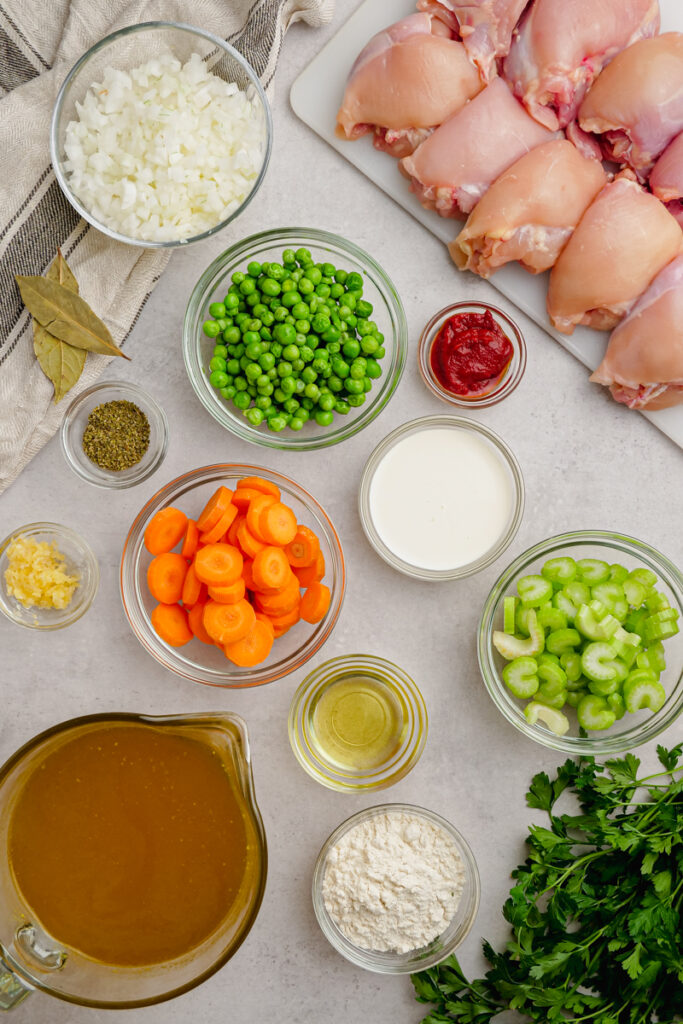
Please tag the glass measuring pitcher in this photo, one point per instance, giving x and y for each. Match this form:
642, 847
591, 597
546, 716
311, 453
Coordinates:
31, 959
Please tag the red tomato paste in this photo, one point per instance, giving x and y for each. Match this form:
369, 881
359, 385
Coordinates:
470, 354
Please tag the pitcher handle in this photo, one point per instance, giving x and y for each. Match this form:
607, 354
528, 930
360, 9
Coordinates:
12, 989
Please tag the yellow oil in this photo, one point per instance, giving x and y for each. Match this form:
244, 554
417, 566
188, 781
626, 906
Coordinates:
358, 722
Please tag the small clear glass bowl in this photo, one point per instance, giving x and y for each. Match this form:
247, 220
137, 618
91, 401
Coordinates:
311, 755
268, 246
507, 459
131, 47
79, 560
195, 660
634, 728
440, 947
76, 419
510, 379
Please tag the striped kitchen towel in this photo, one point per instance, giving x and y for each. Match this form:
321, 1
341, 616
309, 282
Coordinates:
39, 42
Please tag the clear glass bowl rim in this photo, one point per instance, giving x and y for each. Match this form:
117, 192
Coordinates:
88, 556
63, 92
397, 963
112, 481
413, 426
509, 381
376, 778
258, 676
209, 281
575, 745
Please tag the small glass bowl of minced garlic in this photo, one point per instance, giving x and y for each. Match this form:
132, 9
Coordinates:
48, 576
114, 434
357, 722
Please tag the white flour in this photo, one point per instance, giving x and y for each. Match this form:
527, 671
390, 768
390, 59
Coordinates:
393, 883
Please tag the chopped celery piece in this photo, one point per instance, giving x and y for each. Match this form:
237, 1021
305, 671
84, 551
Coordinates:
661, 625
551, 674
547, 696
635, 621
509, 605
594, 623
559, 570
534, 590
613, 597
640, 694
520, 677
561, 640
554, 719
603, 689
578, 593
643, 576
616, 704
657, 602
634, 592
594, 713
627, 645
522, 619
641, 675
618, 573
592, 570
574, 697
551, 618
652, 658
512, 647
597, 662
571, 663
564, 605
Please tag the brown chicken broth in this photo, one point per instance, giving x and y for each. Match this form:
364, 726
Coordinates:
129, 844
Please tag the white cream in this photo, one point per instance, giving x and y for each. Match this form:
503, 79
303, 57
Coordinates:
441, 498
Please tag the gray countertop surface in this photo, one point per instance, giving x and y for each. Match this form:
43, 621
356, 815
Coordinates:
587, 463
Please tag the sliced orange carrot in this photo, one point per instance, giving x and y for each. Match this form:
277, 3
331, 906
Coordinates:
243, 496
253, 648
302, 551
218, 564
277, 604
250, 544
227, 623
232, 532
311, 573
258, 483
286, 620
214, 509
262, 617
192, 588
256, 507
191, 540
195, 618
165, 577
315, 602
170, 622
217, 532
164, 530
228, 595
277, 524
247, 574
271, 570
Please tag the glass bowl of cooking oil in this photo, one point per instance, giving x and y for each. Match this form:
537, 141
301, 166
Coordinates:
357, 722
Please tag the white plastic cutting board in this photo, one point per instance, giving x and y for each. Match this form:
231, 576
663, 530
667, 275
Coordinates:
315, 98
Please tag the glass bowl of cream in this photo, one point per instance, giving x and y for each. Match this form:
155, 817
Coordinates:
396, 889
441, 498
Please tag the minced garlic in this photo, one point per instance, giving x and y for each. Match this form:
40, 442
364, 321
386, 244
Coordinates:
36, 575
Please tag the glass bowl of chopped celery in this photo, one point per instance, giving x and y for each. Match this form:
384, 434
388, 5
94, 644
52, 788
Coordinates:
580, 643
48, 576
295, 339
161, 134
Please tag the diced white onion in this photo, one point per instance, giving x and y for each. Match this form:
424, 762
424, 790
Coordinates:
164, 151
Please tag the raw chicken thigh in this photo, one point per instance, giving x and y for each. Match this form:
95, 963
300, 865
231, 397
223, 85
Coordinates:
485, 27
530, 212
560, 46
637, 103
409, 78
452, 169
622, 242
643, 365
666, 180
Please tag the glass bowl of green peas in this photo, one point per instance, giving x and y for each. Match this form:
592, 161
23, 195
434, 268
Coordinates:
581, 643
294, 338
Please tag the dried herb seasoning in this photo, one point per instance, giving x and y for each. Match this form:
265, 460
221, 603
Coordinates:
116, 435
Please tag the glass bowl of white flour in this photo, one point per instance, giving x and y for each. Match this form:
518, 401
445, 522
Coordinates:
395, 889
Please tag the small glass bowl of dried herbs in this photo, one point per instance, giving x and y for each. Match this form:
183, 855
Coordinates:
114, 435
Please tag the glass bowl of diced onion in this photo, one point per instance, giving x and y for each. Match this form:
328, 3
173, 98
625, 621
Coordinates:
161, 134
620, 553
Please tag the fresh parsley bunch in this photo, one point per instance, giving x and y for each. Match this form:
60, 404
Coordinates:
596, 912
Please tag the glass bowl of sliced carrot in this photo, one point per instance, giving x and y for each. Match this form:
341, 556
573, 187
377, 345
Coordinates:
232, 575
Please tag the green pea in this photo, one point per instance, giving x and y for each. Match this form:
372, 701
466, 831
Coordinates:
251, 338
306, 353
373, 369
211, 328
219, 379
217, 364
254, 269
351, 349
267, 318
324, 417
289, 257
285, 334
220, 352
290, 352
266, 389
354, 387
357, 372
369, 345
332, 334
259, 310
290, 299
323, 290
364, 308
231, 301
312, 391
279, 396
242, 400
228, 392
284, 369
266, 361
326, 402
300, 386
292, 405
233, 367
276, 349
217, 310
252, 372
248, 286
277, 423
296, 423
288, 385
309, 375
340, 367
303, 255
300, 311
341, 406
356, 400
335, 383
241, 383
275, 272
306, 286
240, 319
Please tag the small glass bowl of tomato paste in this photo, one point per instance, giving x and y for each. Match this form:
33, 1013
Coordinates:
471, 353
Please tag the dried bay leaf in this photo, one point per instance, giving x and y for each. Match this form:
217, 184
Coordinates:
60, 271
65, 315
61, 363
